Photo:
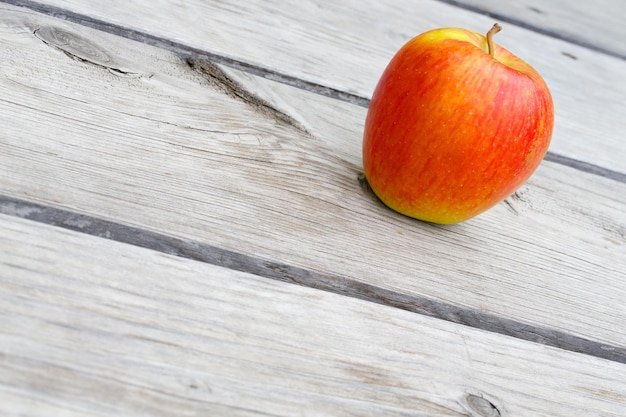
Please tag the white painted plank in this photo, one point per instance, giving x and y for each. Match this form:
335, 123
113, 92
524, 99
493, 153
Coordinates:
93, 327
598, 24
159, 147
346, 45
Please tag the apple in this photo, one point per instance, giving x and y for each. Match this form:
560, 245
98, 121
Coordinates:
455, 125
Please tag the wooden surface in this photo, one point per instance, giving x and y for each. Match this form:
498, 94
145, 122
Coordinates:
346, 45
599, 27
165, 186
99, 341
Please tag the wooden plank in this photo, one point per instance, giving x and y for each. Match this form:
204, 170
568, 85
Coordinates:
169, 148
346, 45
598, 25
151, 334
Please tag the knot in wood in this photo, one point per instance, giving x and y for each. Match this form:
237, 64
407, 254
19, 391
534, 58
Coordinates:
74, 46
482, 407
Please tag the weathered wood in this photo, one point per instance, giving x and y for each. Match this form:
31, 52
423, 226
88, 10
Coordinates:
133, 134
346, 45
598, 25
103, 328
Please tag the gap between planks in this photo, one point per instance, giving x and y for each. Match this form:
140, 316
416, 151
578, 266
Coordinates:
535, 28
272, 269
154, 335
186, 52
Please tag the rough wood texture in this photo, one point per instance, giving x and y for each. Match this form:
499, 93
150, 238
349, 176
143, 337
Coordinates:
172, 147
219, 179
150, 334
597, 25
346, 45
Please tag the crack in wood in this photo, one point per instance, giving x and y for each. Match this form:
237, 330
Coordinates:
510, 206
187, 52
221, 81
338, 284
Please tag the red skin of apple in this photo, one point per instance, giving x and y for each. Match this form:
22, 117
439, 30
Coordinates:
451, 130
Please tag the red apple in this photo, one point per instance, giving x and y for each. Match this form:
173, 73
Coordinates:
455, 125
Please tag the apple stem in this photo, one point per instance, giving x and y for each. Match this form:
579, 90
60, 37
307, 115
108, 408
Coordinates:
495, 29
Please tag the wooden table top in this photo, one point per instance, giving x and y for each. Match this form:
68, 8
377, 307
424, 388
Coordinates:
185, 229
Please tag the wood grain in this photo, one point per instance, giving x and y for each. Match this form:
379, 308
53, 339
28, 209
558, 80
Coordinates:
321, 280
346, 44
598, 25
142, 138
151, 334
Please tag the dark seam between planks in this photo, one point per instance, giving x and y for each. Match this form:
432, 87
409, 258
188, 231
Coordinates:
534, 28
329, 282
187, 52
143, 37
586, 167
